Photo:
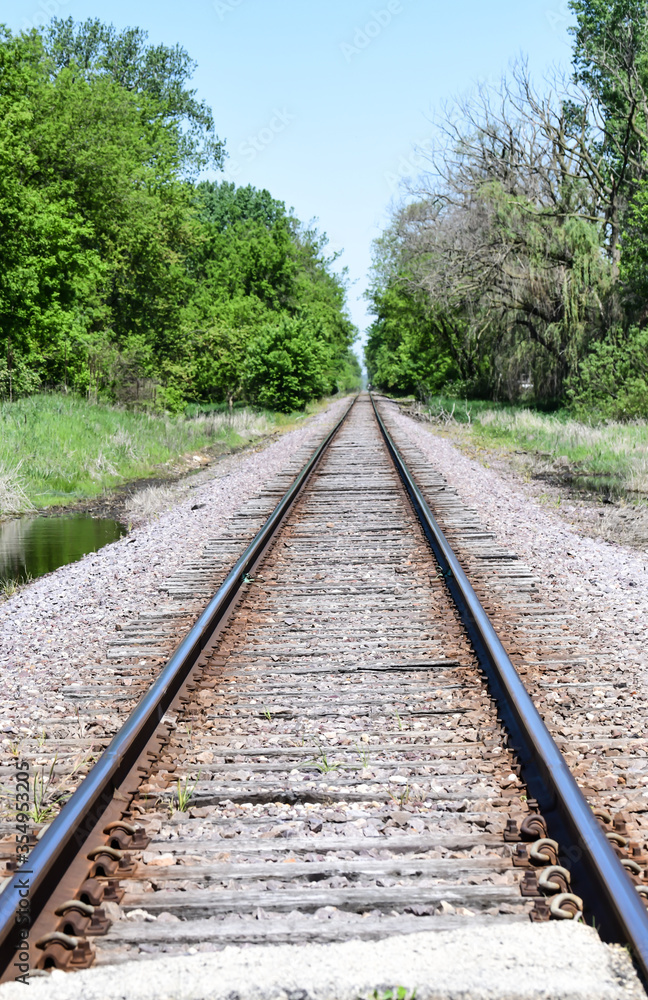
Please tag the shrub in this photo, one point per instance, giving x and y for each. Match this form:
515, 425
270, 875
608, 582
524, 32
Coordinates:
285, 366
612, 380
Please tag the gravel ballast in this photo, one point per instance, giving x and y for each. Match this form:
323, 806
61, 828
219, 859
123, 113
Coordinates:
62, 623
64, 620
603, 581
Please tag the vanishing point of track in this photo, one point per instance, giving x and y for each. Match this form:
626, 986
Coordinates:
349, 748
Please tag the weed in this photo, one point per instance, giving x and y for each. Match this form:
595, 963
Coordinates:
150, 501
548, 500
268, 714
362, 754
42, 808
83, 762
404, 796
605, 456
396, 993
81, 726
13, 499
399, 720
184, 793
9, 586
78, 449
322, 764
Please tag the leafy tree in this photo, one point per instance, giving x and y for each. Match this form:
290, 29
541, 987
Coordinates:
634, 253
349, 372
50, 277
118, 272
612, 380
285, 365
611, 62
256, 263
407, 349
160, 72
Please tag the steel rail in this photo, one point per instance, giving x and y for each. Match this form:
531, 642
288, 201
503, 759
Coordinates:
624, 916
53, 853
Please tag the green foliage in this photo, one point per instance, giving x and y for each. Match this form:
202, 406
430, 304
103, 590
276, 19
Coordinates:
634, 252
257, 270
348, 376
407, 350
285, 365
396, 993
160, 72
183, 793
609, 36
122, 278
70, 448
612, 380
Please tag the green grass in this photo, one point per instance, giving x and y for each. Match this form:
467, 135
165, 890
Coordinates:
608, 457
56, 449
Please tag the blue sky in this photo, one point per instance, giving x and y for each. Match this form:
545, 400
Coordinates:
324, 101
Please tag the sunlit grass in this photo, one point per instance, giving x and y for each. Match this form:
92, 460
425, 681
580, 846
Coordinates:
607, 456
55, 448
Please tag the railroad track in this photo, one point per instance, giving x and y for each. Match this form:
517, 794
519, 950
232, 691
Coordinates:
340, 747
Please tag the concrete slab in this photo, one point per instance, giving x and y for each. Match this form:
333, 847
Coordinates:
511, 962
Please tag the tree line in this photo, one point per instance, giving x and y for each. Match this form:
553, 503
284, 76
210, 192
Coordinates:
516, 266
122, 274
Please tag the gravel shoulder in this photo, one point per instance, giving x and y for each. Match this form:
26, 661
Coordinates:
562, 961
603, 580
60, 625
549, 483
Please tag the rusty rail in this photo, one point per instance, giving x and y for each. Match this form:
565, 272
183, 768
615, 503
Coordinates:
599, 877
56, 850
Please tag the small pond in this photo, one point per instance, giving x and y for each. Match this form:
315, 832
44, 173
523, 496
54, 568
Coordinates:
32, 546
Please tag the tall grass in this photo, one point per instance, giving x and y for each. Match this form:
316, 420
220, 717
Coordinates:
606, 456
55, 449
13, 499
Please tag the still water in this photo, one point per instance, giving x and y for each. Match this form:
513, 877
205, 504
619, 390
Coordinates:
32, 546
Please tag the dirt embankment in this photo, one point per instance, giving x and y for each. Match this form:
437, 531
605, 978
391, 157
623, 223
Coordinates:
117, 503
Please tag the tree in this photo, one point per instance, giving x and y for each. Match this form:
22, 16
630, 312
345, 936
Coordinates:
120, 273
407, 350
611, 64
160, 72
503, 238
254, 264
285, 365
50, 275
612, 380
